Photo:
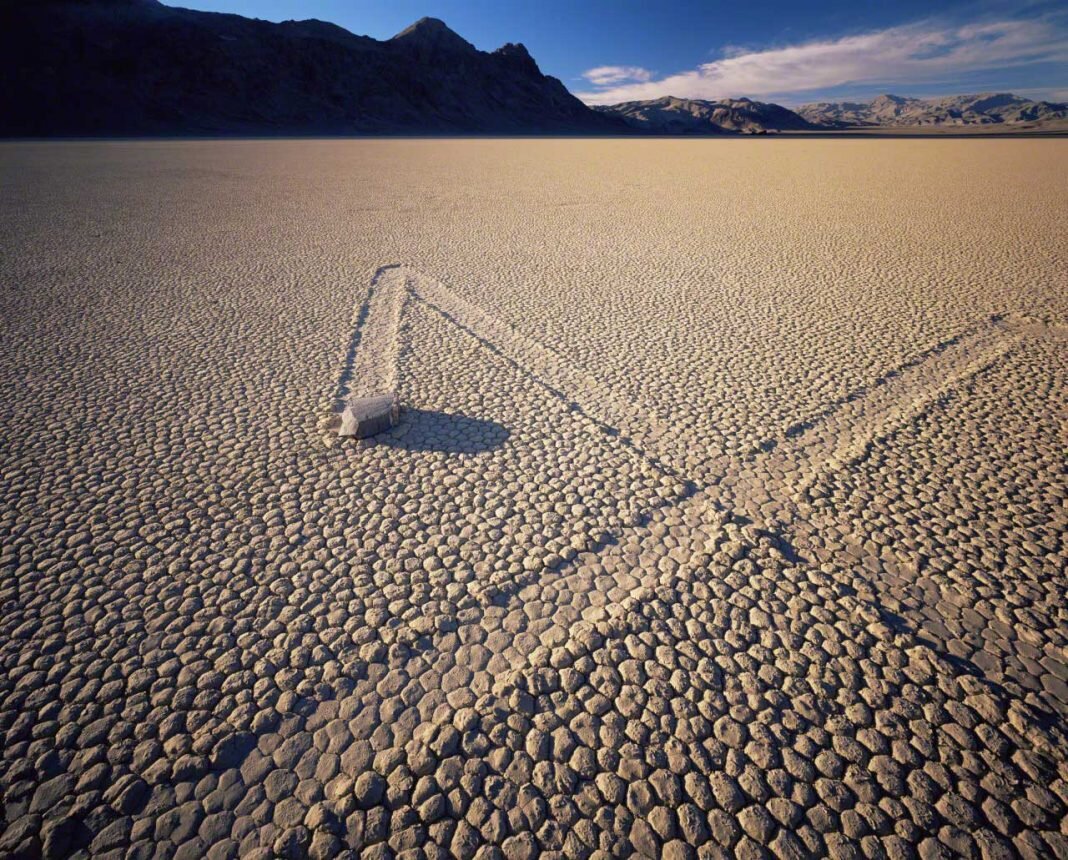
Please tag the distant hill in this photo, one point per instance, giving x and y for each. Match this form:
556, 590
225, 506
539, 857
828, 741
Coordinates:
984, 109
136, 67
670, 115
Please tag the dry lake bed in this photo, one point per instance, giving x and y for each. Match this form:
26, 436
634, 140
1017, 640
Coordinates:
725, 515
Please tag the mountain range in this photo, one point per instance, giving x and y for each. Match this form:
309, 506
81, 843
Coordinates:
986, 109
669, 115
137, 67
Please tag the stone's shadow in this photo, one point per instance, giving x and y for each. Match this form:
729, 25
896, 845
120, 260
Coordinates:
445, 432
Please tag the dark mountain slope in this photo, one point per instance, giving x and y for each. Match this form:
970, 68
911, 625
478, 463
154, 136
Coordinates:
135, 67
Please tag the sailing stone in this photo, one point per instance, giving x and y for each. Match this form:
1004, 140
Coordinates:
368, 416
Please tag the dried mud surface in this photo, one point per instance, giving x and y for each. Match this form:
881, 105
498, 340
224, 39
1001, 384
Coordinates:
726, 516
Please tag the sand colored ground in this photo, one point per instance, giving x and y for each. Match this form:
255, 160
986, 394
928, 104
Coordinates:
726, 516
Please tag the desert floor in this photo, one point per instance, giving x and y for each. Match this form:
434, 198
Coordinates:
726, 517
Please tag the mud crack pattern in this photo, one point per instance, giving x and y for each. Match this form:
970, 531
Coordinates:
796, 588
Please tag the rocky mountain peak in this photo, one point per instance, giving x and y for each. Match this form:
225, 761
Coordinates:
518, 56
433, 33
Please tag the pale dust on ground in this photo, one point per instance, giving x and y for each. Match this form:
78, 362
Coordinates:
726, 516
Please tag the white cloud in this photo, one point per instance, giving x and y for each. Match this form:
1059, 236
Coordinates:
922, 53
604, 76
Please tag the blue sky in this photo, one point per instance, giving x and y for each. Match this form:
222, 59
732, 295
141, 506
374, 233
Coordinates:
778, 50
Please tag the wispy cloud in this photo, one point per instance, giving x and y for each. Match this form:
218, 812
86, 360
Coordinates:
920, 53
606, 76
1052, 94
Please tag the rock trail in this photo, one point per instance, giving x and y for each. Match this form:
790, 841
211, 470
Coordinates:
741, 556
770, 489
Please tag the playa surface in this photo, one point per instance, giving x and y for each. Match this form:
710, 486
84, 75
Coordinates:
726, 515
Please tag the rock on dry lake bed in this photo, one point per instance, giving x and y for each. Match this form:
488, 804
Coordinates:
368, 416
